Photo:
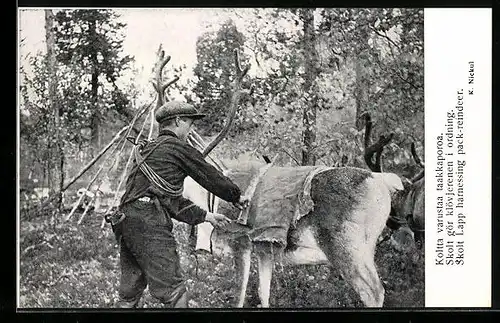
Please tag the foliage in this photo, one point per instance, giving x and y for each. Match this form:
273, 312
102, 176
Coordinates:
88, 43
383, 49
91, 40
63, 266
215, 71
369, 60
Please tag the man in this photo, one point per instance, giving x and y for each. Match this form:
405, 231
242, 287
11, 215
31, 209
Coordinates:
153, 196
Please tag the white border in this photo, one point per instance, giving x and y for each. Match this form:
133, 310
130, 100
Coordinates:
453, 37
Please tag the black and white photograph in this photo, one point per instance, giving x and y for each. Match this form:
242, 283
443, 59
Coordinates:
229, 158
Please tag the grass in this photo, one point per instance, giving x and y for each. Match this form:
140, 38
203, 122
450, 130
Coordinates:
65, 265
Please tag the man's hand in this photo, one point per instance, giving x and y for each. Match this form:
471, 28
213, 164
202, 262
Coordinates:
243, 203
217, 220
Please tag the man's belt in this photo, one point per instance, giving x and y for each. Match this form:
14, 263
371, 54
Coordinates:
145, 199
156, 202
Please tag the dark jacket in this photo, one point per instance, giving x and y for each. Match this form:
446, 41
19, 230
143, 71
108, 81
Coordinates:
174, 160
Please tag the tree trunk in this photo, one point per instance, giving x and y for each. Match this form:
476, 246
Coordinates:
360, 93
95, 122
311, 72
56, 155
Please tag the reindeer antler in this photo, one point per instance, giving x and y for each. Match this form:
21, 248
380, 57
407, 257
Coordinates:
233, 107
419, 163
415, 156
158, 84
376, 148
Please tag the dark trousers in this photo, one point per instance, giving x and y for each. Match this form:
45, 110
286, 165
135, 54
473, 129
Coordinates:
148, 257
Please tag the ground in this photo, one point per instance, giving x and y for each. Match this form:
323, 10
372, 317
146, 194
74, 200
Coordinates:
63, 265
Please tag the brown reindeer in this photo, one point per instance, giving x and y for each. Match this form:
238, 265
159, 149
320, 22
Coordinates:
407, 205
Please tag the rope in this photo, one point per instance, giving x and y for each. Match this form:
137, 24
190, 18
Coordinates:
197, 142
115, 199
160, 183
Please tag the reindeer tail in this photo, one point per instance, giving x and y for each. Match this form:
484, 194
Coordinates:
391, 180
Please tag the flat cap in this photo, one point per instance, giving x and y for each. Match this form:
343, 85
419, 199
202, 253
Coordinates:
175, 109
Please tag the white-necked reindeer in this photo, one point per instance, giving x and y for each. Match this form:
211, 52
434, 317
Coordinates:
351, 207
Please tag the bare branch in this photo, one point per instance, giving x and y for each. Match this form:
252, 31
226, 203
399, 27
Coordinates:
292, 157
398, 74
384, 36
52, 197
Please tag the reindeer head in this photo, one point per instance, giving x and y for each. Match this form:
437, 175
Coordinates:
408, 204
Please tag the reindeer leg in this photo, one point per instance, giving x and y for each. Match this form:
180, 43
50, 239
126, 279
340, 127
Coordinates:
353, 257
364, 277
361, 273
365, 281
265, 259
242, 250
376, 289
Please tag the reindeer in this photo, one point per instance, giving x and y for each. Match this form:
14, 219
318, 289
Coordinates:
407, 205
351, 208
